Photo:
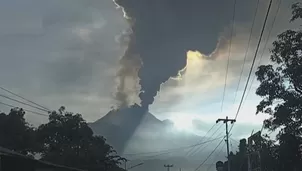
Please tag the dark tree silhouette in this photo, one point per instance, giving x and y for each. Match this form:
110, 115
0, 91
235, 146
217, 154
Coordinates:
281, 82
67, 140
268, 152
15, 133
281, 90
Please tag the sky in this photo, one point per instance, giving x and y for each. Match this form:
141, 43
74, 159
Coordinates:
66, 52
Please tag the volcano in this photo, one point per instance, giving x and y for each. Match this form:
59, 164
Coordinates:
134, 129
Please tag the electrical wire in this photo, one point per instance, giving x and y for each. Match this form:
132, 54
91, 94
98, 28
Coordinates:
216, 156
229, 54
201, 149
167, 152
265, 46
18, 101
219, 135
209, 155
236, 141
174, 149
30, 101
253, 63
202, 139
247, 50
33, 112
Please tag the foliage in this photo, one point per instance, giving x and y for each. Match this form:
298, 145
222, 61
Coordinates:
281, 90
15, 133
67, 139
239, 159
281, 81
267, 150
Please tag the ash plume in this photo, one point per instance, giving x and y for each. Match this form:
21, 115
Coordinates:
128, 87
162, 32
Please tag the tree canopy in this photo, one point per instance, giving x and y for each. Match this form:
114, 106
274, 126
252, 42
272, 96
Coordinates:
66, 139
15, 133
281, 92
281, 81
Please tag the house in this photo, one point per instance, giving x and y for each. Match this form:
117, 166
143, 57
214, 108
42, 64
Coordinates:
12, 161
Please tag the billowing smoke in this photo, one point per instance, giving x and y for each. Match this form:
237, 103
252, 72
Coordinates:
162, 32
128, 87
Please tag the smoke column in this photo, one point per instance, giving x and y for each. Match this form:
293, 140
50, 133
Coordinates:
128, 84
162, 32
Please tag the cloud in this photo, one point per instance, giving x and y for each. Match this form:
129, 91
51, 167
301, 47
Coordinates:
163, 31
201, 125
66, 53
61, 53
204, 85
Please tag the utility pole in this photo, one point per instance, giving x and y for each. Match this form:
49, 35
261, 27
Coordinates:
168, 166
225, 121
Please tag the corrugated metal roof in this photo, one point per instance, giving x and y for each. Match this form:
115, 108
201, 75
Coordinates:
7, 152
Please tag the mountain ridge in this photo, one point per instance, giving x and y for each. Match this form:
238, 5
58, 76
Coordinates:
150, 136
117, 127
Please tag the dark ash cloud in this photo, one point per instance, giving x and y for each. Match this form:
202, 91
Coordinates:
164, 30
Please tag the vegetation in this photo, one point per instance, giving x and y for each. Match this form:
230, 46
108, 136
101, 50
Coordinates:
66, 140
15, 133
281, 82
281, 92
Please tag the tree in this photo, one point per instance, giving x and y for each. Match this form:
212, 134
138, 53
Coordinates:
15, 133
269, 154
239, 159
281, 82
281, 90
68, 140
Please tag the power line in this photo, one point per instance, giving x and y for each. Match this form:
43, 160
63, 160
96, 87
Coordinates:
253, 63
229, 54
33, 112
18, 101
204, 147
247, 49
226, 121
209, 155
219, 152
237, 142
192, 149
174, 149
30, 101
265, 46
167, 152
242, 160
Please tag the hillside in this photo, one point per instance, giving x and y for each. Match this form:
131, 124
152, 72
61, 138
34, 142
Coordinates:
129, 130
